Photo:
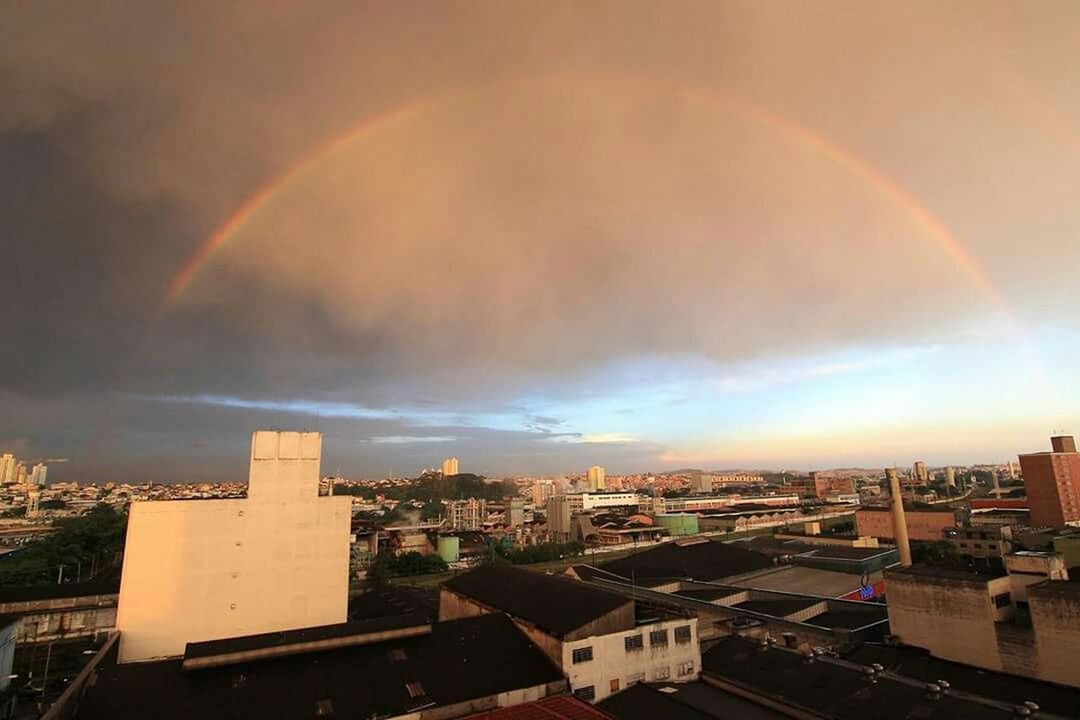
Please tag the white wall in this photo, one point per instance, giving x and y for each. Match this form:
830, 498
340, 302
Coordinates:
209, 569
611, 660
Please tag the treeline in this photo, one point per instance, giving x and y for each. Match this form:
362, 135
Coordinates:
433, 488
386, 565
81, 544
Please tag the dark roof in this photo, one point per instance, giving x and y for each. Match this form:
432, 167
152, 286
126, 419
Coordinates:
976, 573
641, 702
920, 665
247, 643
460, 660
706, 560
716, 702
555, 604
556, 707
779, 607
29, 593
831, 689
709, 595
394, 600
849, 617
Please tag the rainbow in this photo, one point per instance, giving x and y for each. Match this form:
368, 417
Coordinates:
883, 184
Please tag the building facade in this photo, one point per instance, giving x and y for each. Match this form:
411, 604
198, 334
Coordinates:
206, 569
597, 478
926, 525
450, 466
467, 514
1052, 482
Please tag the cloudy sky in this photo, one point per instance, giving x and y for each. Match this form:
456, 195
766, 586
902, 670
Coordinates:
537, 235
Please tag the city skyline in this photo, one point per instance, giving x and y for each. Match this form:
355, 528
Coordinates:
538, 239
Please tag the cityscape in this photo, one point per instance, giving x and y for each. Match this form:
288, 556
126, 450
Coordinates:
539, 361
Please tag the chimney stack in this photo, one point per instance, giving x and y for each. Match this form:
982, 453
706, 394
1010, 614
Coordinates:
899, 522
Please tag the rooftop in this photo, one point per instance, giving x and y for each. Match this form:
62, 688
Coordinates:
833, 689
640, 701
804, 580
920, 665
394, 600
779, 607
974, 573
555, 604
459, 660
707, 560
556, 707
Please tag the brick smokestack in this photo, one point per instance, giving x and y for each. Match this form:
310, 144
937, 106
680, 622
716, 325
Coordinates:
898, 520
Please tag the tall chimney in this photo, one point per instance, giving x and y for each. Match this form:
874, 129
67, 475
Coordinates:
898, 520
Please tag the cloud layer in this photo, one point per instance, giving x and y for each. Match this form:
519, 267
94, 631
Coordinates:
535, 199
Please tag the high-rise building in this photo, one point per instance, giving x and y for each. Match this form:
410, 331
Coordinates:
596, 477
950, 477
37, 475
450, 466
541, 491
1012, 470
918, 473
1052, 483
558, 518
515, 512
20, 474
701, 483
7, 468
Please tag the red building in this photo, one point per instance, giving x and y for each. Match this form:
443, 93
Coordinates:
1052, 482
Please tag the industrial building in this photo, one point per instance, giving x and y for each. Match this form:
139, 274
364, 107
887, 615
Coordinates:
602, 640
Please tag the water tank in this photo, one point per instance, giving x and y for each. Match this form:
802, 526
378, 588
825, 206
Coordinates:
449, 547
678, 523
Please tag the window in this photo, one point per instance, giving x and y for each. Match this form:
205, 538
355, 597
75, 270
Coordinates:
581, 655
587, 693
415, 689
684, 669
658, 638
978, 546
615, 685
682, 634
1002, 600
634, 642
662, 673
992, 546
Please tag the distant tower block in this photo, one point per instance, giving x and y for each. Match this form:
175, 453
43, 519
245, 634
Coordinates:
918, 473
450, 466
597, 477
900, 532
32, 503
950, 477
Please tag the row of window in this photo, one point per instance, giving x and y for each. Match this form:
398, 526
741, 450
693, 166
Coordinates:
657, 638
588, 692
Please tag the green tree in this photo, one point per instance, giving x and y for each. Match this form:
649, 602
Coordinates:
92, 540
433, 510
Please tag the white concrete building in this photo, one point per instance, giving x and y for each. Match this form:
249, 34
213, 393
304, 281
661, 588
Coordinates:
580, 502
210, 569
37, 475
8, 463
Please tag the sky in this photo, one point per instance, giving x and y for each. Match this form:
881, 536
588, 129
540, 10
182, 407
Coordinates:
537, 236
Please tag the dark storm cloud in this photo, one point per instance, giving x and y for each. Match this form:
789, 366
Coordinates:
560, 202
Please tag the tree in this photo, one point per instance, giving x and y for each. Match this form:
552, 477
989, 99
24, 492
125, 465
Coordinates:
433, 510
52, 504
937, 552
90, 540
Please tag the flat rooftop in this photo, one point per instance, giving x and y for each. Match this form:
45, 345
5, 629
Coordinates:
975, 574
804, 581
704, 560
459, 660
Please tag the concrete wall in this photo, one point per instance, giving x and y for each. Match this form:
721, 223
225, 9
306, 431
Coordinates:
209, 569
952, 617
612, 662
1055, 613
922, 525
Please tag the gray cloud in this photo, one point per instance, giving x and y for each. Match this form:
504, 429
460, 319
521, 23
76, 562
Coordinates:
573, 185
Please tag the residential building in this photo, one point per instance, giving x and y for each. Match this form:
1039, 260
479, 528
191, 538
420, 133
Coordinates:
515, 512
982, 542
919, 474
950, 477
601, 640
467, 514
202, 570
701, 483
596, 478
450, 467
8, 464
20, 474
37, 475
541, 491
559, 514
1052, 482
922, 524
